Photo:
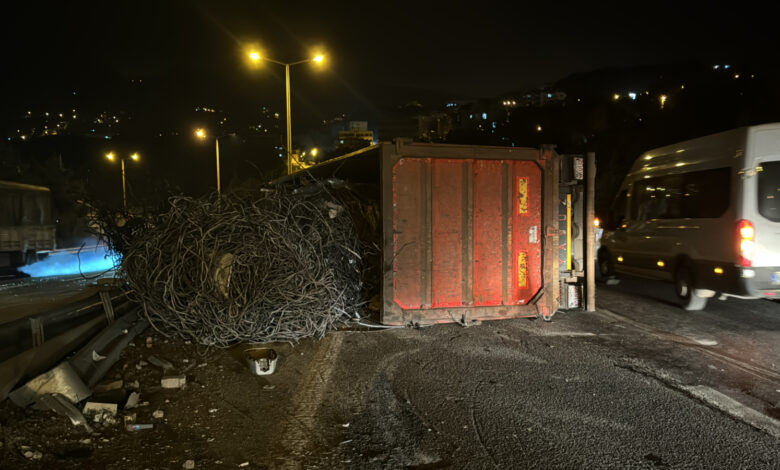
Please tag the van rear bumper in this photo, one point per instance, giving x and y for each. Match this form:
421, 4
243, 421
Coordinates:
765, 281
758, 282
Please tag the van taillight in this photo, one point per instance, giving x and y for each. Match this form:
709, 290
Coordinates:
746, 237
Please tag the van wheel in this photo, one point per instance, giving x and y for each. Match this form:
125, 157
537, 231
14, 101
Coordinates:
684, 288
606, 268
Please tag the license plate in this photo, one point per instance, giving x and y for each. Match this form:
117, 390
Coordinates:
776, 278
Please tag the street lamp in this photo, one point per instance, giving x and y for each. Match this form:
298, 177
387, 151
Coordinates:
111, 156
255, 56
201, 134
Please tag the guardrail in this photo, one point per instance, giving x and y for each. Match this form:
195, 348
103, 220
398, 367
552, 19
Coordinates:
31, 345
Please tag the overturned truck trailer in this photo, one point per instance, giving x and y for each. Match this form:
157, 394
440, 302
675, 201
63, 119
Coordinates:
474, 232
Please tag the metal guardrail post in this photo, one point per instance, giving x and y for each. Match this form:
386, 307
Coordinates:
108, 307
36, 329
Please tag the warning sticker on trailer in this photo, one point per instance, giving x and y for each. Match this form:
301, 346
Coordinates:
522, 195
522, 270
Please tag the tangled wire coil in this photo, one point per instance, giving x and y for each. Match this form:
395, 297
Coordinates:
275, 265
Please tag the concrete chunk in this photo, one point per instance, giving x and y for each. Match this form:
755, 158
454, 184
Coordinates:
173, 381
94, 407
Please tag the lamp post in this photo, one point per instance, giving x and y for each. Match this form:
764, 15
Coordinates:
201, 134
319, 59
111, 156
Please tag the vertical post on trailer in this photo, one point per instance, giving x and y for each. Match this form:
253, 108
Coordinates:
590, 232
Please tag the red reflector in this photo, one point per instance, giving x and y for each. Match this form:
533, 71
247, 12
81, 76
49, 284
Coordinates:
770, 294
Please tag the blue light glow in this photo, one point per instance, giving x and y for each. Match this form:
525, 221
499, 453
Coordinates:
484, 115
60, 263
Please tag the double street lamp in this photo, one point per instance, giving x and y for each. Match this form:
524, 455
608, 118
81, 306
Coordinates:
318, 59
111, 156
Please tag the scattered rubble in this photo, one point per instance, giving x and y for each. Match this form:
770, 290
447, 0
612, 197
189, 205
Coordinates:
189, 464
158, 414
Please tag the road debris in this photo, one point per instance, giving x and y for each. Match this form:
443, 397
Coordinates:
173, 381
132, 400
104, 408
262, 361
188, 465
60, 405
62, 380
158, 414
107, 387
161, 363
138, 427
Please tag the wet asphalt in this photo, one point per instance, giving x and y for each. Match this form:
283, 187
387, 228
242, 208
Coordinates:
517, 394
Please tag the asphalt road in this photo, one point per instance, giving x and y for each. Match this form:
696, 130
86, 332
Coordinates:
638, 384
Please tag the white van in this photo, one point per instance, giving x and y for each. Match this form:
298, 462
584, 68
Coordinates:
705, 214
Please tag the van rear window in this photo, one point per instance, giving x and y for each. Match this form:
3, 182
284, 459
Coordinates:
769, 191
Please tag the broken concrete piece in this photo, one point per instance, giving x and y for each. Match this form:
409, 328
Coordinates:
97, 357
62, 380
95, 407
61, 405
162, 363
189, 464
148, 341
107, 387
158, 414
173, 381
129, 419
132, 400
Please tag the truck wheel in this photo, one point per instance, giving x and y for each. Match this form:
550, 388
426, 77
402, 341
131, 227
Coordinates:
606, 268
685, 290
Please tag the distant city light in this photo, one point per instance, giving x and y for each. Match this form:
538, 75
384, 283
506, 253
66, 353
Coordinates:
726, 66
662, 99
632, 95
616, 96
538, 128
736, 75
549, 95
484, 116
716, 67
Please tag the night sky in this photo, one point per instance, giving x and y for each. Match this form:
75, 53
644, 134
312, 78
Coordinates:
463, 49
